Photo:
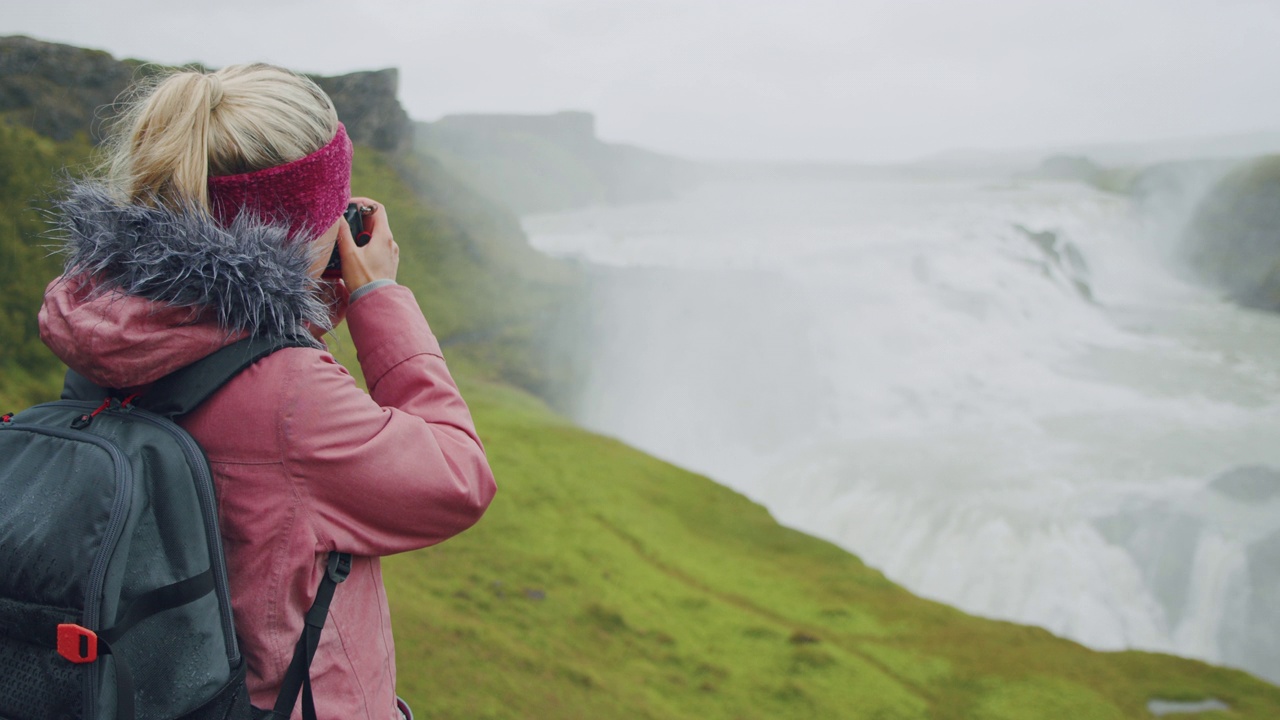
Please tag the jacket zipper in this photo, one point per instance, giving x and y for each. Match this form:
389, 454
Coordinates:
115, 526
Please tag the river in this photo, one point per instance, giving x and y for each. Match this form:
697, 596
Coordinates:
997, 392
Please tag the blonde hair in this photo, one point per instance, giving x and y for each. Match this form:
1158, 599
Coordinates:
182, 127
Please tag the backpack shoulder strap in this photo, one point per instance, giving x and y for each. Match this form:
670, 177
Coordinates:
298, 675
181, 391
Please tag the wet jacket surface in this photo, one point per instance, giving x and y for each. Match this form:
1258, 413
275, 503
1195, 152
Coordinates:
304, 461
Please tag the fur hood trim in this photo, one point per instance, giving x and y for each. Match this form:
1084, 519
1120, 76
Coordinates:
248, 277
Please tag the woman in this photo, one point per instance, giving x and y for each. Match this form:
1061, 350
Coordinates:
221, 206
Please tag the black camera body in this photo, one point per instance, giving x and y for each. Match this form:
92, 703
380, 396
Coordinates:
354, 216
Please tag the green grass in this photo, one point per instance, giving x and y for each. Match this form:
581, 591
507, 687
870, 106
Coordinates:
606, 583
28, 371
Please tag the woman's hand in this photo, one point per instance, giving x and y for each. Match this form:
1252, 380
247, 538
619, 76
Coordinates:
333, 291
375, 261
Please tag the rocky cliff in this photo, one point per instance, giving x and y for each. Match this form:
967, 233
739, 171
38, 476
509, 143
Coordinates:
542, 163
368, 106
1233, 239
55, 89
60, 90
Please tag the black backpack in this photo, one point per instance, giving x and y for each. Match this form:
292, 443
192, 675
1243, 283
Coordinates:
113, 595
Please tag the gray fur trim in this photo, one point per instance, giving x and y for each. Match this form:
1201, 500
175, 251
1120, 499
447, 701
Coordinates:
248, 275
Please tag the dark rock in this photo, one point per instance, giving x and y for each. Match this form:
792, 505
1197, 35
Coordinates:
1046, 240
800, 637
1233, 240
1061, 257
367, 104
56, 89
61, 90
1249, 484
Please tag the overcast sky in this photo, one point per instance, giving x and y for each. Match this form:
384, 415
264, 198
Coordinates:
862, 80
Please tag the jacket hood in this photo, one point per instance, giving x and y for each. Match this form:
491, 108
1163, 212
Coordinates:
149, 290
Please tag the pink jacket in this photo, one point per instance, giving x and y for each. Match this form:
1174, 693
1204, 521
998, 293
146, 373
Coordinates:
304, 463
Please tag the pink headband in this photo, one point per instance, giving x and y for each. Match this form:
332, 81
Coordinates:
308, 194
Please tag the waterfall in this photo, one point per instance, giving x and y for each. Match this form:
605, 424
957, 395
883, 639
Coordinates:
996, 393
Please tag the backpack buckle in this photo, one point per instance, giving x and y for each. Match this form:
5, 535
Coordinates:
339, 566
77, 644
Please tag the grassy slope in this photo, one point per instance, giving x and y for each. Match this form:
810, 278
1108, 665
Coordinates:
605, 583
28, 370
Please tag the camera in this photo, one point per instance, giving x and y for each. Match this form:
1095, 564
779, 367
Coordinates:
354, 216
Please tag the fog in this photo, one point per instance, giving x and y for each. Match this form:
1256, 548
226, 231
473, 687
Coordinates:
868, 81
1000, 388
1002, 393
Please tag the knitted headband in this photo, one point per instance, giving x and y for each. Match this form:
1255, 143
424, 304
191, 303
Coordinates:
307, 195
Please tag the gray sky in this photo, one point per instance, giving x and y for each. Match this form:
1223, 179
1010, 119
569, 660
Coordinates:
863, 80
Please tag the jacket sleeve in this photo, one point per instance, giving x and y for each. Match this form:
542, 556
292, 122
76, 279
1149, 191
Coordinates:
396, 469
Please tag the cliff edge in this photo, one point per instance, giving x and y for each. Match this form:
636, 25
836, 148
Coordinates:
60, 90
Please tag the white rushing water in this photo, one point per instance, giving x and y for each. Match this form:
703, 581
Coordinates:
1046, 428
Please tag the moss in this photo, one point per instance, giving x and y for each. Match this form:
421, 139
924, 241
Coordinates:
643, 540
656, 592
28, 165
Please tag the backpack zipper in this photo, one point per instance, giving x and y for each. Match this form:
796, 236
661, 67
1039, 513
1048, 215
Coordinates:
199, 464
92, 617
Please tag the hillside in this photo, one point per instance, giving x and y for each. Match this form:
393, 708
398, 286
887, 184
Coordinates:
1233, 240
491, 297
543, 163
604, 583
608, 584
1223, 214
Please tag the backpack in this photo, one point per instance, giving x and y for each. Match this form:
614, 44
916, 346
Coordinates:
114, 601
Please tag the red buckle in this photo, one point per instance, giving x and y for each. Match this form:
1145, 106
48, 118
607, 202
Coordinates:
77, 644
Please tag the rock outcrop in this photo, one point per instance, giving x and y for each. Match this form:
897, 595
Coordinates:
59, 90
1079, 168
368, 105
1061, 259
543, 163
56, 89
1233, 239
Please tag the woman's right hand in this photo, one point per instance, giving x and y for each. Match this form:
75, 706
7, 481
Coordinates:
377, 260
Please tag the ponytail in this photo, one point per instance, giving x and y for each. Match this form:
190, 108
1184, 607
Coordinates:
184, 127
165, 159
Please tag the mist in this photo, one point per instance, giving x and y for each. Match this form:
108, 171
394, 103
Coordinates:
927, 280
818, 80
1007, 394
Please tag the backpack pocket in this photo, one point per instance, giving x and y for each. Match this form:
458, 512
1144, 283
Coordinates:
39, 684
67, 496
